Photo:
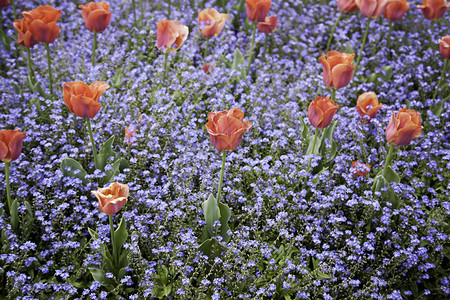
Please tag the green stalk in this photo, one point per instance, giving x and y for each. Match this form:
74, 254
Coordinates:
133, 5
49, 61
13, 4
332, 32
389, 35
206, 48
141, 15
362, 45
251, 50
94, 47
92, 141
440, 79
30, 64
113, 241
224, 155
165, 66
388, 158
333, 95
314, 147
168, 10
8, 189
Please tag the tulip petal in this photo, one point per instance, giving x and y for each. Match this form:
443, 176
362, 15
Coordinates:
3, 150
97, 89
45, 33
315, 115
407, 133
220, 141
326, 71
235, 112
341, 75
391, 130
15, 145
97, 20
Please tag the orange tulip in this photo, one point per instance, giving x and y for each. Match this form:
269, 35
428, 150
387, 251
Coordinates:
96, 16
130, 133
11, 144
433, 9
321, 112
395, 10
444, 47
371, 8
170, 35
83, 100
269, 24
207, 68
211, 22
403, 127
360, 169
112, 198
337, 69
4, 3
257, 9
368, 105
226, 128
38, 25
347, 6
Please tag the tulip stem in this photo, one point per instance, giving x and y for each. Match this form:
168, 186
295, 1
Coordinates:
251, 50
440, 79
363, 44
206, 48
13, 4
313, 148
91, 136
388, 157
133, 5
30, 64
94, 47
332, 32
222, 171
8, 189
333, 95
165, 66
113, 241
168, 10
49, 61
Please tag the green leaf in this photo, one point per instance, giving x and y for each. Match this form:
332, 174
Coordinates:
121, 234
388, 71
389, 195
310, 149
211, 247
106, 151
5, 40
349, 49
305, 130
123, 260
391, 175
75, 169
109, 175
117, 78
225, 214
17, 89
211, 212
328, 134
238, 61
97, 274
14, 211
93, 233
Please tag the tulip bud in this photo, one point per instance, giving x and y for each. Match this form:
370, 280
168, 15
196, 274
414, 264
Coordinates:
170, 35
226, 128
321, 112
96, 16
433, 9
444, 47
403, 127
257, 9
371, 8
368, 105
360, 169
4, 3
83, 100
269, 24
112, 198
347, 6
211, 22
337, 69
11, 144
395, 10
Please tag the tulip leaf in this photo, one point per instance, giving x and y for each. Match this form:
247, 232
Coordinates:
305, 130
225, 214
311, 144
391, 175
14, 211
112, 172
328, 134
5, 40
97, 274
105, 153
121, 234
349, 49
211, 212
387, 193
123, 260
438, 108
93, 233
27, 220
71, 168
238, 62
211, 247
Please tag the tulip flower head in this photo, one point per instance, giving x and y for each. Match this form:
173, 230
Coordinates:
337, 69
360, 169
257, 9
96, 16
11, 144
433, 9
4, 3
395, 10
38, 26
367, 106
321, 112
112, 198
226, 128
371, 8
269, 24
444, 47
170, 35
347, 6
130, 135
83, 99
403, 127
208, 68
211, 22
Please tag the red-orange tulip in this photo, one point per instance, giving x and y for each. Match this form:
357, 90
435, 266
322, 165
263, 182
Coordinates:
208, 68
371, 8
403, 127
269, 24
211, 22
368, 105
170, 35
347, 6
83, 100
11, 144
130, 133
433, 9
360, 169
38, 25
321, 112
395, 10
112, 198
444, 47
337, 69
257, 9
226, 128
96, 16
4, 3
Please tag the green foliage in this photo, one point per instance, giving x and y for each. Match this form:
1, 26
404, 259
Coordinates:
216, 211
239, 62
